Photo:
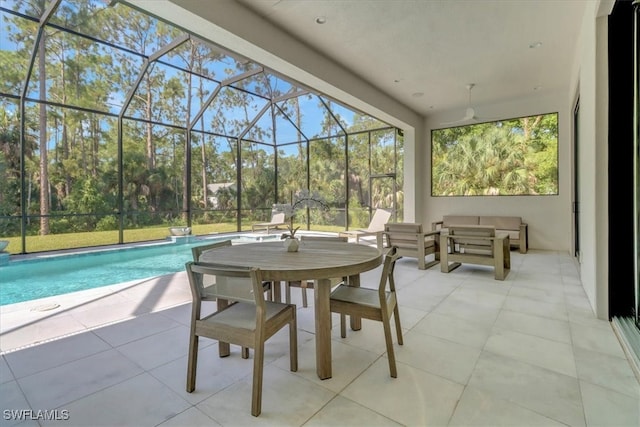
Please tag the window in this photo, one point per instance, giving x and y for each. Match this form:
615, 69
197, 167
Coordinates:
502, 158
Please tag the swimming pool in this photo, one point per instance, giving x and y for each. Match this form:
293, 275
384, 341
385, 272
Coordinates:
31, 279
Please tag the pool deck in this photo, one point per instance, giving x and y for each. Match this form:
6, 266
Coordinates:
34, 322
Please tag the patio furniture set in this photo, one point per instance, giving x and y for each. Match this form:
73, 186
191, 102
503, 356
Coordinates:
244, 281
483, 240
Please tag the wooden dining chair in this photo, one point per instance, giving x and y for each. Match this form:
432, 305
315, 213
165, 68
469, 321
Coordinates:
209, 291
196, 251
374, 304
308, 284
248, 322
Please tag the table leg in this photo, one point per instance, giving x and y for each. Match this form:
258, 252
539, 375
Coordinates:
321, 295
356, 321
276, 291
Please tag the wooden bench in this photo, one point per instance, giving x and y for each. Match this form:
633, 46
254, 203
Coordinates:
475, 244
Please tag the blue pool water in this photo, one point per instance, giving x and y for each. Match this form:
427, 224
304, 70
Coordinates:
31, 279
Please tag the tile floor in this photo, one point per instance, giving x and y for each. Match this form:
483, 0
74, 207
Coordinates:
477, 352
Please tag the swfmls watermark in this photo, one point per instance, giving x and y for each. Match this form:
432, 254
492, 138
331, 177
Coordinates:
40, 414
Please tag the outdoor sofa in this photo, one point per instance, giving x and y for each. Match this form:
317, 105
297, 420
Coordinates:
513, 225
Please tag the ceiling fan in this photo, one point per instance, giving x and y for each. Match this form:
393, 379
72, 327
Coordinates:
470, 113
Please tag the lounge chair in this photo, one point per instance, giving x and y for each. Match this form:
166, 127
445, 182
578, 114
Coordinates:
375, 228
277, 220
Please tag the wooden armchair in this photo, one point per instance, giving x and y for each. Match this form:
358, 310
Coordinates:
411, 241
475, 244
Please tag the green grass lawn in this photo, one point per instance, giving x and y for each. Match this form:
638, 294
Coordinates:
55, 242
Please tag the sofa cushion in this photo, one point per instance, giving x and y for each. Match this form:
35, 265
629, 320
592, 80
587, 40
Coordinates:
502, 222
449, 220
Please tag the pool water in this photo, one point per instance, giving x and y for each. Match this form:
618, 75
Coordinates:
27, 280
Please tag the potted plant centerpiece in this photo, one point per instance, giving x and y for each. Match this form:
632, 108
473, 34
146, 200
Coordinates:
290, 240
304, 200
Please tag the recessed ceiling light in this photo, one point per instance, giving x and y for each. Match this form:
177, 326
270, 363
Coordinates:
535, 45
417, 94
321, 20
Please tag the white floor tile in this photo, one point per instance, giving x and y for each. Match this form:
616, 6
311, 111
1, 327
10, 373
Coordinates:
344, 412
479, 408
192, 417
607, 371
552, 355
138, 401
543, 327
347, 363
35, 331
415, 398
548, 393
103, 311
5, 373
287, 400
12, 405
142, 326
604, 407
454, 329
463, 308
213, 374
596, 339
158, 349
438, 356
552, 310
57, 387
55, 353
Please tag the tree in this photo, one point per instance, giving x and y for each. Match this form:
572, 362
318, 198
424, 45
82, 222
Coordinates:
512, 157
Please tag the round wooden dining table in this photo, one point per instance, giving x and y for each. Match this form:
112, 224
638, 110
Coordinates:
315, 260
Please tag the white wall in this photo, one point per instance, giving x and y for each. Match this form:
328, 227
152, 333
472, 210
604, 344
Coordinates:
593, 157
549, 217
